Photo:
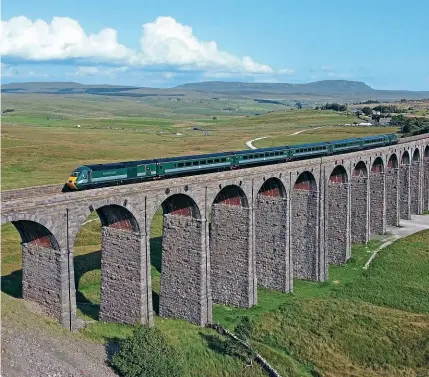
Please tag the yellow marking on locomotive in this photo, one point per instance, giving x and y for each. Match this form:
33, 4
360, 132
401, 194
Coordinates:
71, 183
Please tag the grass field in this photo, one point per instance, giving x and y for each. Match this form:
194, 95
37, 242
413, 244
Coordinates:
41, 144
358, 323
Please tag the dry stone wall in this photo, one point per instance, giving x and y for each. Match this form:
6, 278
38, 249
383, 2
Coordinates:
304, 209
404, 199
122, 266
43, 273
183, 291
359, 209
231, 259
337, 222
392, 196
377, 206
271, 243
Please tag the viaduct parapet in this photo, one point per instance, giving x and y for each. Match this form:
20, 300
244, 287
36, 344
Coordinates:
223, 233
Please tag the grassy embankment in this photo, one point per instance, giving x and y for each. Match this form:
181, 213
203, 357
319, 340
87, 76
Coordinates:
358, 323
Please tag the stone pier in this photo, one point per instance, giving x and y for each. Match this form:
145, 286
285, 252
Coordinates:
271, 240
184, 292
231, 255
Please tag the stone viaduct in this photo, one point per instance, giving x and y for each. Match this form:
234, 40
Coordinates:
223, 233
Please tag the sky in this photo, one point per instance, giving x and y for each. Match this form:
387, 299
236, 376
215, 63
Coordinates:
164, 43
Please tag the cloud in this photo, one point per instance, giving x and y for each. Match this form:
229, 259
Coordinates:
164, 42
167, 42
63, 38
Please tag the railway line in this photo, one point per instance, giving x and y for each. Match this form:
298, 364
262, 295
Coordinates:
13, 200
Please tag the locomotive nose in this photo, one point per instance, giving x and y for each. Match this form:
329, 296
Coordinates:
72, 183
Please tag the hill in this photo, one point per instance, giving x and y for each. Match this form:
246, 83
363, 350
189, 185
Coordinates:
326, 90
318, 88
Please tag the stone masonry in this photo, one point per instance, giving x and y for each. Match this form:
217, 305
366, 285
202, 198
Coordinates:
405, 196
304, 234
359, 209
183, 292
392, 196
337, 225
295, 236
231, 256
42, 279
377, 214
414, 187
426, 184
271, 243
121, 276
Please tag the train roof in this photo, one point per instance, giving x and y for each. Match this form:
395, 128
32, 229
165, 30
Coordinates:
114, 165
194, 157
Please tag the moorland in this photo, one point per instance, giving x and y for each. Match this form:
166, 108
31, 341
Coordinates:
360, 322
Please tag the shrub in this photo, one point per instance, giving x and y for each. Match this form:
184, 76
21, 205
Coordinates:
147, 353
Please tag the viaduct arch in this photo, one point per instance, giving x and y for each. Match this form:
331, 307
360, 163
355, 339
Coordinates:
267, 227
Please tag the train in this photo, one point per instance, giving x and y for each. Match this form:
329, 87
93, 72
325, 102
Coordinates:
93, 176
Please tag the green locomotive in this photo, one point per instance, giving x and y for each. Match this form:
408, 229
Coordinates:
103, 175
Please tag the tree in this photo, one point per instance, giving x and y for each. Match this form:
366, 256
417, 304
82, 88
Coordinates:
243, 347
367, 110
299, 105
147, 353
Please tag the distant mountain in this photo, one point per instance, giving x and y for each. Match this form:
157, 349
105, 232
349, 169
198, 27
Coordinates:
61, 87
318, 87
338, 90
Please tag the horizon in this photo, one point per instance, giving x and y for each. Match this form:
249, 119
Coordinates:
207, 81
167, 45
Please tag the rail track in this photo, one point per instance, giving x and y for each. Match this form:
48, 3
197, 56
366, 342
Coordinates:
12, 200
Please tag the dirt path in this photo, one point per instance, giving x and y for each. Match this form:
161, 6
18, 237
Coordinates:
250, 145
28, 352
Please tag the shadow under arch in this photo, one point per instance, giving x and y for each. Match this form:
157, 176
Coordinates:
232, 195
405, 158
273, 187
338, 175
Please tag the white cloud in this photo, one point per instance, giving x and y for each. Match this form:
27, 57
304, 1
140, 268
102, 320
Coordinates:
63, 38
167, 42
164, 42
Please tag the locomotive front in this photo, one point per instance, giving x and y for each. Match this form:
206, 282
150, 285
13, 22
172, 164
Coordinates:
78, 178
